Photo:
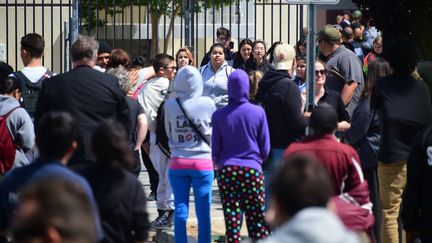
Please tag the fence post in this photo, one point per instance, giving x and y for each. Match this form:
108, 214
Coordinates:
66, 61
187, 22
311, 53
73, 25
74, 21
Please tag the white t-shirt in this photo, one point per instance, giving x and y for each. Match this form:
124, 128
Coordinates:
33, 73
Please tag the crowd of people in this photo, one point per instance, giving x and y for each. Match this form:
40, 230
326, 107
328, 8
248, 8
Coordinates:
350, 167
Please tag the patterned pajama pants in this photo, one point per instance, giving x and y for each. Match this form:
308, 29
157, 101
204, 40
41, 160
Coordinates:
242, 191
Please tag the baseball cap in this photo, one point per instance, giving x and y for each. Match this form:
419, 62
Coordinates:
330, 34
104, 48
283, 55
357, 14
324, 117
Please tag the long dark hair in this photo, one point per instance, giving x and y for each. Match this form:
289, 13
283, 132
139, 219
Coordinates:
376, 69
301, 42
238, 59
110, 146
270, 51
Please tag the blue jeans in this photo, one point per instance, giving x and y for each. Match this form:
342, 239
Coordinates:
274, 161
201, 181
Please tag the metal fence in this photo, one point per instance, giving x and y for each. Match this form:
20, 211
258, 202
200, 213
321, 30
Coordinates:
144, 27
20, 17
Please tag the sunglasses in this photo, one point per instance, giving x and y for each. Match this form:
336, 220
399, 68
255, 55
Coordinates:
322, 72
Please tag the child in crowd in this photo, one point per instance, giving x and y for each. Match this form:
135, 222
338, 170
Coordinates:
184, 57
240, 143
18, 123
188, 126
151, 97
119, 195
215, 76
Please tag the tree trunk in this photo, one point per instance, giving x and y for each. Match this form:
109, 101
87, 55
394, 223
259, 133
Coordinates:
171, 27
154, 47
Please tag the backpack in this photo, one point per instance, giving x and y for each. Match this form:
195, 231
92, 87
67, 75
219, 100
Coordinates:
7, 145
30, 91
161, 134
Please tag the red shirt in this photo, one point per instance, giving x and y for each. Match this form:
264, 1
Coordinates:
340, 160
343, 166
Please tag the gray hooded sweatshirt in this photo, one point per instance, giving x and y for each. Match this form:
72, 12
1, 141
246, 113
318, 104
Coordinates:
20, 126
184, 142
312, 225
216, 83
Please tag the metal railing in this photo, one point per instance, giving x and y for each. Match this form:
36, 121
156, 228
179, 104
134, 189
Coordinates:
144, 27
45, 17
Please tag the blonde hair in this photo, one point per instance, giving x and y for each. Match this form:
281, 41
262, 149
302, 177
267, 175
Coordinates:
339, 19
378, 40
254, 79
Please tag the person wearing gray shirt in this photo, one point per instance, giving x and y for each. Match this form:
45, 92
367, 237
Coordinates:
345, 74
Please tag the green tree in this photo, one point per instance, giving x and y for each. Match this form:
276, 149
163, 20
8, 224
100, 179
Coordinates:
157, 9
411, 18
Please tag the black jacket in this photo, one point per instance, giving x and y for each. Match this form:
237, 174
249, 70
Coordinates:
404, 107
90, 96
417, 199
121, 202
363, 134
281, 100
264, 67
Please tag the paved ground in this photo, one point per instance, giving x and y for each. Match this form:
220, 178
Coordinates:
217, 219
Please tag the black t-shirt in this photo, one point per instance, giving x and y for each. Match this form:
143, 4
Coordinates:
333, 98
135, 109
404, 107
417, 200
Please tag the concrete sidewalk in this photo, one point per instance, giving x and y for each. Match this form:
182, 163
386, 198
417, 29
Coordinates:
217, 219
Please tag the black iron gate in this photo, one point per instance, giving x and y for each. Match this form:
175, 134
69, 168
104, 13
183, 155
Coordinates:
47, 18
137, 25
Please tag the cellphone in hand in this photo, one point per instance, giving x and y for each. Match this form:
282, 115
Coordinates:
231, 45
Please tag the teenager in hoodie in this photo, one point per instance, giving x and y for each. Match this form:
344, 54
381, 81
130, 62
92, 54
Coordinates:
190, 162
282, 103
18, 121
215, 76
240, 143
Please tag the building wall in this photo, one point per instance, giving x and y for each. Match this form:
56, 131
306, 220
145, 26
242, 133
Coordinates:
48, 21
274, 21
323, 11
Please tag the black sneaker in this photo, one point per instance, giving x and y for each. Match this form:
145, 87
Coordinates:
166, 222
151, 197
161, 215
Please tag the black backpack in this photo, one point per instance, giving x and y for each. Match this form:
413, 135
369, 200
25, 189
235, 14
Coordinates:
161, 135
30, 91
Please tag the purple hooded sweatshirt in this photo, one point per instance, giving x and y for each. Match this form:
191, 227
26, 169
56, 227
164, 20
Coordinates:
240, 132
